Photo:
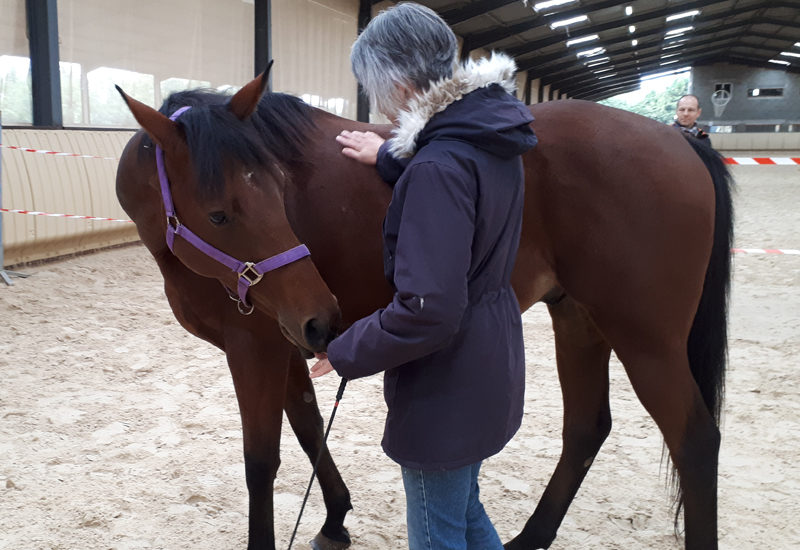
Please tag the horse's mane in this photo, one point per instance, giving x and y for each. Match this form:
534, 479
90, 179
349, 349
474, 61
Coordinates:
273, 136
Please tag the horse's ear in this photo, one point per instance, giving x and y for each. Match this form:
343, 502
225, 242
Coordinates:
245, 101
161, 129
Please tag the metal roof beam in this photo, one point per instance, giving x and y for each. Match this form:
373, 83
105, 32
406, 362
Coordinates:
632, 75
458, 15
561, 83
536, 62
712, 19
482, 39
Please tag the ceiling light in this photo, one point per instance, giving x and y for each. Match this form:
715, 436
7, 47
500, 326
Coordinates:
539, 6
797, 44
673, 46
582, 39
592, 52
665, 56
634, 42
628, 10
791, 54
595, 62
631, 29
756, 92
779, 61
668, 62
570, 21
603, 70
679, 31
606, 76
691, 13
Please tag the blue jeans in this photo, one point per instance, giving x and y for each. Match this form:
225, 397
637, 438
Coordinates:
443, 511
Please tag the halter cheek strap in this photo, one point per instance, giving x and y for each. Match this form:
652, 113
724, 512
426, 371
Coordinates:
249, 273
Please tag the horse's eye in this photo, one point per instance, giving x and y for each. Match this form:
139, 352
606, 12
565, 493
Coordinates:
218, 218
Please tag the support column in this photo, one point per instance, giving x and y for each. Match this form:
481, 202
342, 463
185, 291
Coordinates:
42, 18
362, 101
262, 53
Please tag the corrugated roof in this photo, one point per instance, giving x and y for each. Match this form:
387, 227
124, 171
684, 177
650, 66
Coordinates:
625, 41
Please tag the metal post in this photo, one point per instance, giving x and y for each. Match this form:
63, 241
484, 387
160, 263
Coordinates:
262, 15
5, 275
45, 80
362, 102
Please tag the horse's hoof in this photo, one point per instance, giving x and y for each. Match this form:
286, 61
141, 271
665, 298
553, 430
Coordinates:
321, 542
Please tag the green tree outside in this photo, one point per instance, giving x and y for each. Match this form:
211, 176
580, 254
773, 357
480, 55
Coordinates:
659, 106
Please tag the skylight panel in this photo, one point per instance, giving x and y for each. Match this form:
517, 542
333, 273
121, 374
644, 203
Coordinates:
540, 6
679, 31
628, 10
791, 54
592, 52
683, 15
779, 62
570, 21
595, 62
606, 76
582, 39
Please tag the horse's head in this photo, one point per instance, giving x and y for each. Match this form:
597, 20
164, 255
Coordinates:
227, 189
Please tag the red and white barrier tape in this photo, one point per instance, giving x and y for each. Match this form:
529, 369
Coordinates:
752, 161
743, 161
779, 251
765, 251
54, 153
69, 216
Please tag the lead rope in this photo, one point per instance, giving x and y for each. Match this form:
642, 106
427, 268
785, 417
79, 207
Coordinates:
339, 394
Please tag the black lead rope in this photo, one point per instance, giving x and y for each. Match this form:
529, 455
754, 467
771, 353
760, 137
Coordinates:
339, 394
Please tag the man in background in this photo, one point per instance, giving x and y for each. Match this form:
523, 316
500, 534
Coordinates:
686, 116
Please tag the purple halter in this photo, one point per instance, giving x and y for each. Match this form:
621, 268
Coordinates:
249, 273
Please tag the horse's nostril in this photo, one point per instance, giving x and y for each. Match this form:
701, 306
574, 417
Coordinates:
318, 334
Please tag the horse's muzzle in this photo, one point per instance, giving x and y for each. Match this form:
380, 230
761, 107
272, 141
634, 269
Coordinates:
318, 333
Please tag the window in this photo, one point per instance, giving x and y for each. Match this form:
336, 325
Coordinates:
765, 92
727, 86
15, 90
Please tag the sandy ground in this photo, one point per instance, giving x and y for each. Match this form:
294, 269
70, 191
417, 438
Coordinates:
120, 430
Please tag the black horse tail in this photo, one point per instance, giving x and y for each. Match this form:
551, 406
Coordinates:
708, 339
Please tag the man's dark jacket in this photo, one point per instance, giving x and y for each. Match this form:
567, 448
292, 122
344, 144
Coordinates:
450, 342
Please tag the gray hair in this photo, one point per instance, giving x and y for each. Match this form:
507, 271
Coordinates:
406, 45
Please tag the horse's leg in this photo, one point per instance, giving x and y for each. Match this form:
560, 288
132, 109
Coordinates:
664, 384
304, 416
258, 360
582, 356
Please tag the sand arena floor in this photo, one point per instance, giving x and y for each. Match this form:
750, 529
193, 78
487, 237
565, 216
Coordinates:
119, 430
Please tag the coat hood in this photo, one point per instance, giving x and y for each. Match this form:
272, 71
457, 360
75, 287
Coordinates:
475, 105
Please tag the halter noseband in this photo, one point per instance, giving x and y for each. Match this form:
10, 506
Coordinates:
249, 273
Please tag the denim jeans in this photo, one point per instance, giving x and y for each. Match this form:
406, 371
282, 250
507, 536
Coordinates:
443, 511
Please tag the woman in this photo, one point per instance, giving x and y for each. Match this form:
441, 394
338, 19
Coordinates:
450, 342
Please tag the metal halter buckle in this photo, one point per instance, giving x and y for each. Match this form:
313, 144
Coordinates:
250, 274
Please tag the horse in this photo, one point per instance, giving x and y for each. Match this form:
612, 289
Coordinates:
626, 237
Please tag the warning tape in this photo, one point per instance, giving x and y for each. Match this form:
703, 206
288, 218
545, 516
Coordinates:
784, 251
744, 161
752, 161
765, 251
69, 216
54, 153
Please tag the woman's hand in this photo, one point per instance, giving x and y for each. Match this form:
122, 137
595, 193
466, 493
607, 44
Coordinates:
322, 366
361, 146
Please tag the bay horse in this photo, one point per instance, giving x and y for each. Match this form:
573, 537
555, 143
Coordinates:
626, 237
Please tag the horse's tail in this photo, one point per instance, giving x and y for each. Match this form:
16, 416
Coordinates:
708, 339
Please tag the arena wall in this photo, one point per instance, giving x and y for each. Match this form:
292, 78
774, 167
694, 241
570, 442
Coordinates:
61, 185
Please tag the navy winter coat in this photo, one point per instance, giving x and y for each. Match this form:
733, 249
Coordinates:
450, 342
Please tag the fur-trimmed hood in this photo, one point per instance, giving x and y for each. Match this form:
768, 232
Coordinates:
492, 118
